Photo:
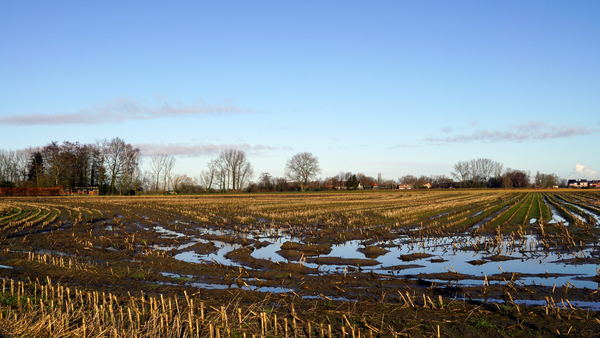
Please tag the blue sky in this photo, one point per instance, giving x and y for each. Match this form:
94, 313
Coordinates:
393, 87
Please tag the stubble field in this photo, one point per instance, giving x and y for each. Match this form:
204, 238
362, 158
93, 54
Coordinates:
355, 264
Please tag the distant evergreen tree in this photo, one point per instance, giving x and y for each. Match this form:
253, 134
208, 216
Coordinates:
36, 167
352, 183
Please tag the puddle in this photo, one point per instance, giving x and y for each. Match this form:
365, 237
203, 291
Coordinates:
455, 252
174, 275
167, 232
178, 247
328, 298
487, 219
528, 260
530, 302
6, 267
556, 217
188, 280
439, 255
439, 216
217, 232
585, 211
219, 256
52, 252
476, 214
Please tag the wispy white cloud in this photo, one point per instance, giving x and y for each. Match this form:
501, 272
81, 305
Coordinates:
125, 108
197, 150
580, 171
523, 132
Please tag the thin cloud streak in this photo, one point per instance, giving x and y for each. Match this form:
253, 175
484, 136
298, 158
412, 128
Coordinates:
523, 132
121, 109
197, 150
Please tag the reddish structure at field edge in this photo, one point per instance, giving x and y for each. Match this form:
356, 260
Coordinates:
11, 192
54, 191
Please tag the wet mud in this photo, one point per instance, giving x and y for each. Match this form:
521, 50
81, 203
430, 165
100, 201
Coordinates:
166, 247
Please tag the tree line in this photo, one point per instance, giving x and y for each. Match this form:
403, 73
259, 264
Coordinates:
114, 167
110, 165
487, 173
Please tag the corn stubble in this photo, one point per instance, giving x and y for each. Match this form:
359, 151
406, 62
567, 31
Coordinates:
500, 222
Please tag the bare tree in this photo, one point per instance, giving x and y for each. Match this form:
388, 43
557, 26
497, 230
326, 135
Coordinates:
238, 168
438, 180
157, 167
474, 173
115, 155
408, 179
222, 175
7, 167
497, 170
100, 149
245, 173
360, 176
10, 162
281, 184
487, 168
481, 171
169, 164
207, 177
146, 181
231, 169
546, 180
302, 167
129, 169
54, 160
366, 181
265, 181
21, 161
341, 178
518, 178
161, 166
185, 184
462, 170
507, 182
178, 180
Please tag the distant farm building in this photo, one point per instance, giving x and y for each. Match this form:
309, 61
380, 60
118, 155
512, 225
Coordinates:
81, 191
583, 183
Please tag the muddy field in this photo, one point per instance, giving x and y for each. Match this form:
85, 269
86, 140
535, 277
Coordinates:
412, 263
